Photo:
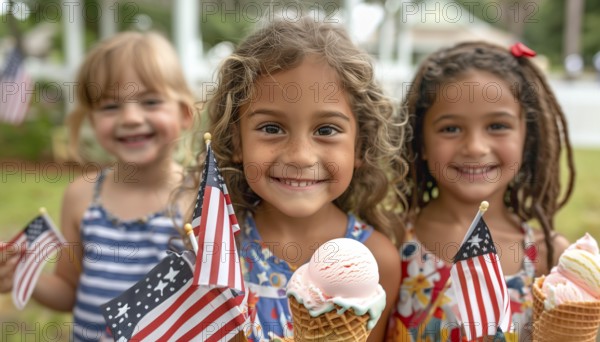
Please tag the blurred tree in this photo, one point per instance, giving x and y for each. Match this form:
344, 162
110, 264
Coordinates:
541, 24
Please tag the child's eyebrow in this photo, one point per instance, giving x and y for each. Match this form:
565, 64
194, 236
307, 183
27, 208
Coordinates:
496, 114
333, 114
321, 114
446, 117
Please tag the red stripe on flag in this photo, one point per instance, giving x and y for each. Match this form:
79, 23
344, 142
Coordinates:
27, 273
227, 328
214, 317
477, 289
191, 311
232, 218
218, 242
202, 233
504, 290
30, 276
490, 285
465, 293
166, 314
232, 263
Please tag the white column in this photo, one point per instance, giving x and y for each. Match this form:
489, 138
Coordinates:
404, 42
108, 20
72, 18
187, 43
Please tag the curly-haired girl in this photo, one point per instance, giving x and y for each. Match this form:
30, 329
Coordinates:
306, 142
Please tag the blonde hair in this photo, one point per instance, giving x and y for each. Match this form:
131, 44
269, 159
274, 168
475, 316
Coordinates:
149, 55
282, 45
535, 192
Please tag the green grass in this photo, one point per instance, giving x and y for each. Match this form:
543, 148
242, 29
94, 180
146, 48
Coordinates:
582, 212
21, 194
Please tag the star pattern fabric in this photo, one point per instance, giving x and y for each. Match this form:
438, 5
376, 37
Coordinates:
165, 305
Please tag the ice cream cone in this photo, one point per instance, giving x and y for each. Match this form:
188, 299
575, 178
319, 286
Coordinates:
575, 321
330, 326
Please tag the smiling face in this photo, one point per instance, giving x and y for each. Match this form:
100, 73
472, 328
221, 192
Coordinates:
474, 136
298, 139
137, 125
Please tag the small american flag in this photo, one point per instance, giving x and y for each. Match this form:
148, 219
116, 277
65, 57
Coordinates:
36, 244
215, 224
167, 306
16, 87
480, 287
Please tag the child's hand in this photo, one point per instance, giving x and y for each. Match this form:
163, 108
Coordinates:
8, 261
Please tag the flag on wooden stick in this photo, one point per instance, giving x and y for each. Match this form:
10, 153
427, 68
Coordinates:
479, 283
35, 244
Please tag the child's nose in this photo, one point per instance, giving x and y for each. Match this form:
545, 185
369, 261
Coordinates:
132, 114
475, 145
299, 151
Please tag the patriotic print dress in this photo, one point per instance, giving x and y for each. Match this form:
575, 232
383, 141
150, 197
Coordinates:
422, 283
266, 279
117, 254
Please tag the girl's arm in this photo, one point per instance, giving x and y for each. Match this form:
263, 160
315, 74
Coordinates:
388, 261
57, 290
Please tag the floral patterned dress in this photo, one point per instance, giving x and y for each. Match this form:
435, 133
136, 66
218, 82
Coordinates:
427, 309
266, 279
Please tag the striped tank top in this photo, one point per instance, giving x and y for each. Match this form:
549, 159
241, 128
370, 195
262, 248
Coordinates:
116, 255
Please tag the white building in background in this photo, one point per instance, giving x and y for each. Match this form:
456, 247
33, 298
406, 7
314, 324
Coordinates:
411, 30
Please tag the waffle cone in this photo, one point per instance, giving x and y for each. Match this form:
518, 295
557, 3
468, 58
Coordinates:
329, 326
576, 321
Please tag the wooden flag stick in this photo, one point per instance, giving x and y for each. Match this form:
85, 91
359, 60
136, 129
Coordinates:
483, 207
190, 233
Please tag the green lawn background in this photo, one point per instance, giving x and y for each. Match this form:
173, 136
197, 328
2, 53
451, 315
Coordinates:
42, 185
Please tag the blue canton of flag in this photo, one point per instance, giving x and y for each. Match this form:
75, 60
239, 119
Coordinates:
166, 306
480, 287
15, 95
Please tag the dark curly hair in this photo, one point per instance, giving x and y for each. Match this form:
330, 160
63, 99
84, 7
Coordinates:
535, 192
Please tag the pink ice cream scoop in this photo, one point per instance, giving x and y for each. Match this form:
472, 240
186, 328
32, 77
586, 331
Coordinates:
586, 243
344, 268
341, 272
577, 276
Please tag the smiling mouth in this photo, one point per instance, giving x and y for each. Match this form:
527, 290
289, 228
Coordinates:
135, 138
476, 171
297, 183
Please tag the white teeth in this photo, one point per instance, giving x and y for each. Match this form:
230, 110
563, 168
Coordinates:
297, 184
473, 171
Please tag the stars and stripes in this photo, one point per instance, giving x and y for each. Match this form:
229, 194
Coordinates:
215, 224
167, 306
479, 283
36, 243
16, 87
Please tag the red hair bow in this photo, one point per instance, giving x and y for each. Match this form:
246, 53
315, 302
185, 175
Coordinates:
519, 50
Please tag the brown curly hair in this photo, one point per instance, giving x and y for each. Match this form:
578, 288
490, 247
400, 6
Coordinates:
536, 190
282, 45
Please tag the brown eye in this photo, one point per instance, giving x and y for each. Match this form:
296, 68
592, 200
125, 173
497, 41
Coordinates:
271, 129
326, 130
